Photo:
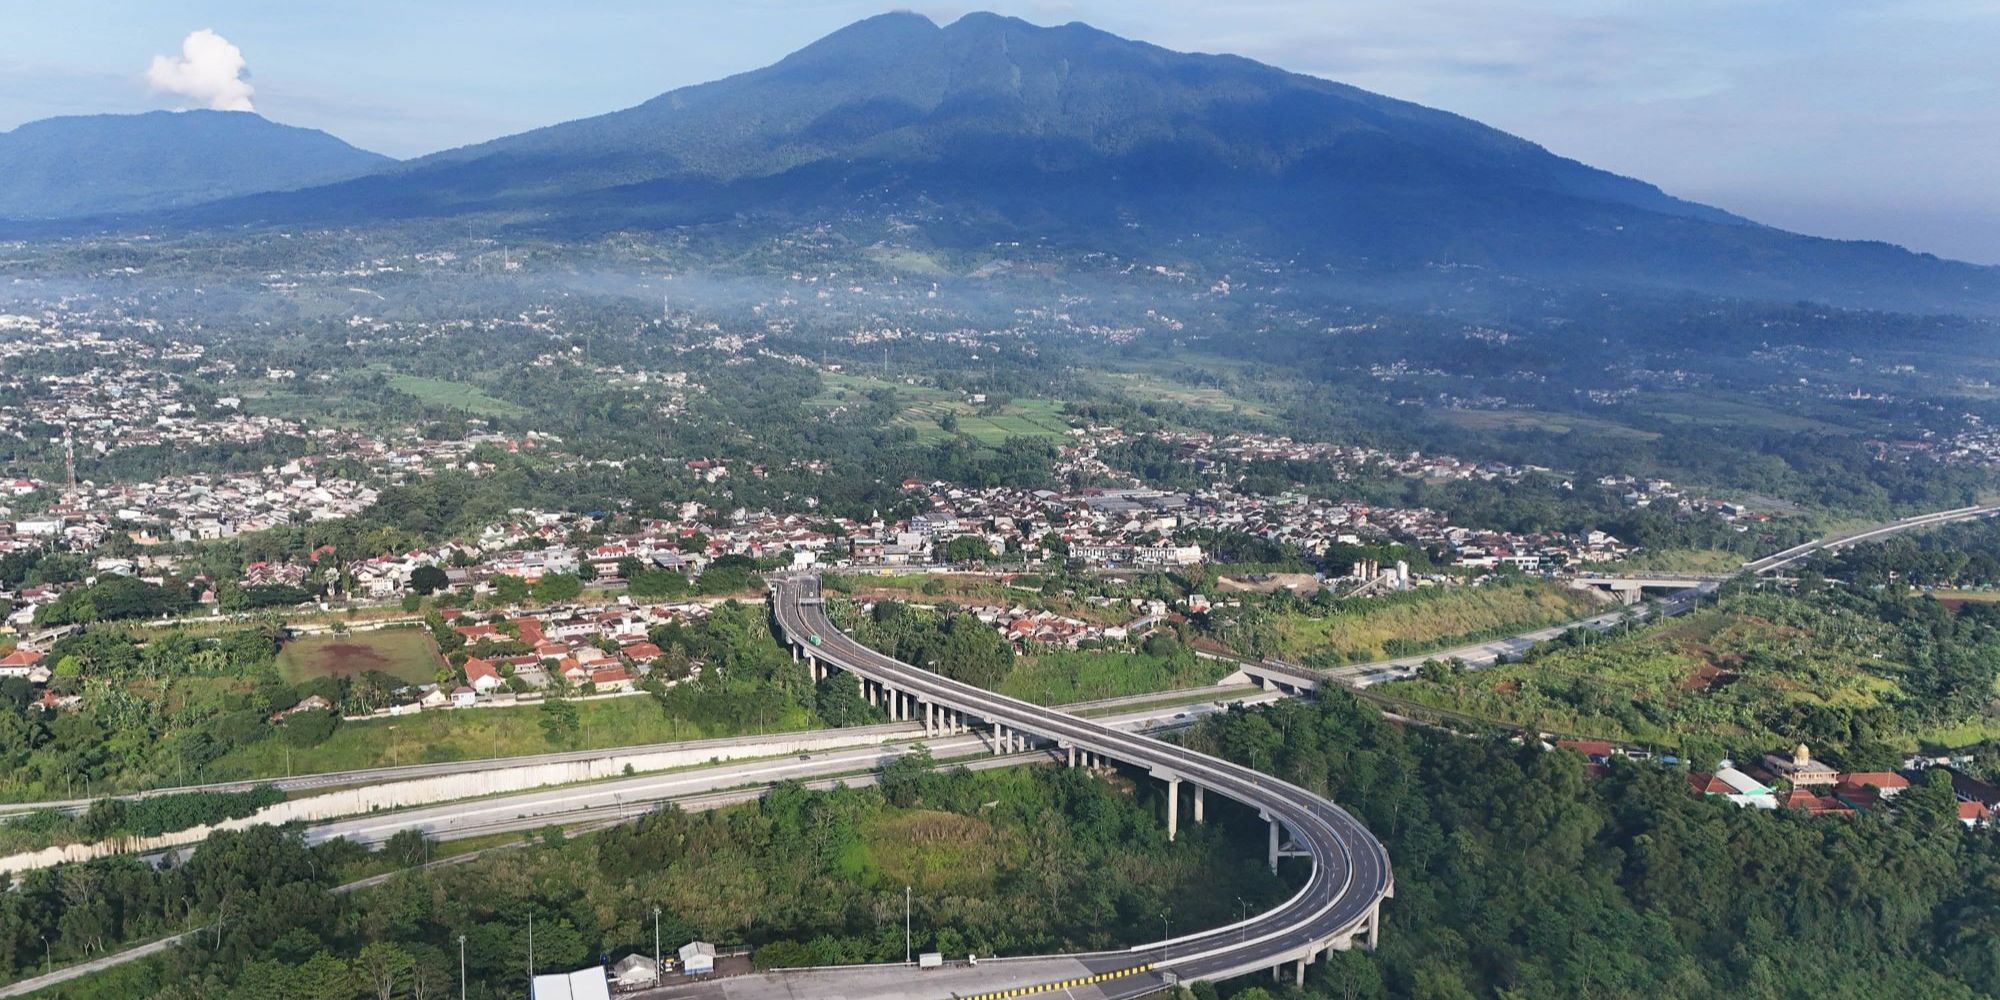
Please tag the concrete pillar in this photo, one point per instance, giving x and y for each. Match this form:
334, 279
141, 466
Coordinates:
1173, 808
795, 654
930, 718
1197, 804
1274, 847
1072, 758
997, 751
1374, 927
896, 703
1301, 981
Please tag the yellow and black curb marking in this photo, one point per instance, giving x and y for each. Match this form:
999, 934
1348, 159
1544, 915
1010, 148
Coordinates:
1024, 991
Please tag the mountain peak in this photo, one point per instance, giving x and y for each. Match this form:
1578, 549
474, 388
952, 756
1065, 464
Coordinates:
82, 165
992, 128
881, 35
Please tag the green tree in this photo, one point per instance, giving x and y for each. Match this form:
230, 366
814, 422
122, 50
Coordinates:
509, 589
558, 588
559, 721
428, 580
967, 548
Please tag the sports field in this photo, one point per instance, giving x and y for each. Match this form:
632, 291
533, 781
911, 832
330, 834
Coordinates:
407, 654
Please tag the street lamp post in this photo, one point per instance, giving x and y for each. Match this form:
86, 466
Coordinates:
656, 944
48, 957
906, 925
1166, 934
461, 967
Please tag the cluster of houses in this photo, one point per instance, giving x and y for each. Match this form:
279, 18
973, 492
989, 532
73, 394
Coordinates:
631, 973
1663, 494
1796, 780
1220, 455
1137, 527
190, 508
595, 651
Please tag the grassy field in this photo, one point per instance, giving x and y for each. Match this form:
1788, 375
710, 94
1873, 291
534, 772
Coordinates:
408, 654
925, 407
1713, 409
1683, 561
1070, 675
456, 395
908, 259
1726, 676
1145, 385
937, 853
1374, 628
438, 737
1538, 420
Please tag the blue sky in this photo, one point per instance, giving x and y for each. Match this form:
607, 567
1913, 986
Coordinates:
1871, 119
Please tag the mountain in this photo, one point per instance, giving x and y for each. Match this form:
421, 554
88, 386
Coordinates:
101, 164
991, 128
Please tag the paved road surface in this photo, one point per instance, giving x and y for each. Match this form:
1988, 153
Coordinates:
901, 982
1350, 873
756, 744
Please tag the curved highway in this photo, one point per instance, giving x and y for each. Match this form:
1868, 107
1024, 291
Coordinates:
1341, 900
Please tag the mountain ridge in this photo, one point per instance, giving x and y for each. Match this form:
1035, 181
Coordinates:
88, 165
992, 128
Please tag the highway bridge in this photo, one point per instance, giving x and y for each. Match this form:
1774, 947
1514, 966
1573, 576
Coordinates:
1687, 591
1340, 903
1779, 560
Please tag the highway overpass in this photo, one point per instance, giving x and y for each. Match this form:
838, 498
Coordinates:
1340, 903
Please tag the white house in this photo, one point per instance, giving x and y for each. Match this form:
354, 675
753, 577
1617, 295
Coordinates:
634, 971
697, 958
583, 984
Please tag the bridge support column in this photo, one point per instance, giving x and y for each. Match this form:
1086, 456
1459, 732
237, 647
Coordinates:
1374, 934
997, 750
902, 705
1072, 758
1274, 847
1197, 803
1173, 808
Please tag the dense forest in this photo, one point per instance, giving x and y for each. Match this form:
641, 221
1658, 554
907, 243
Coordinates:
1520, 876
1955, 555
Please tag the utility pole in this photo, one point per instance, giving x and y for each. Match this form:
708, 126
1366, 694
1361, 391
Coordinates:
461, 967
906, 925
531, 952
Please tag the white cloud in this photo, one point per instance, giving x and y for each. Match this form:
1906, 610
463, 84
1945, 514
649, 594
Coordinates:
210, 70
